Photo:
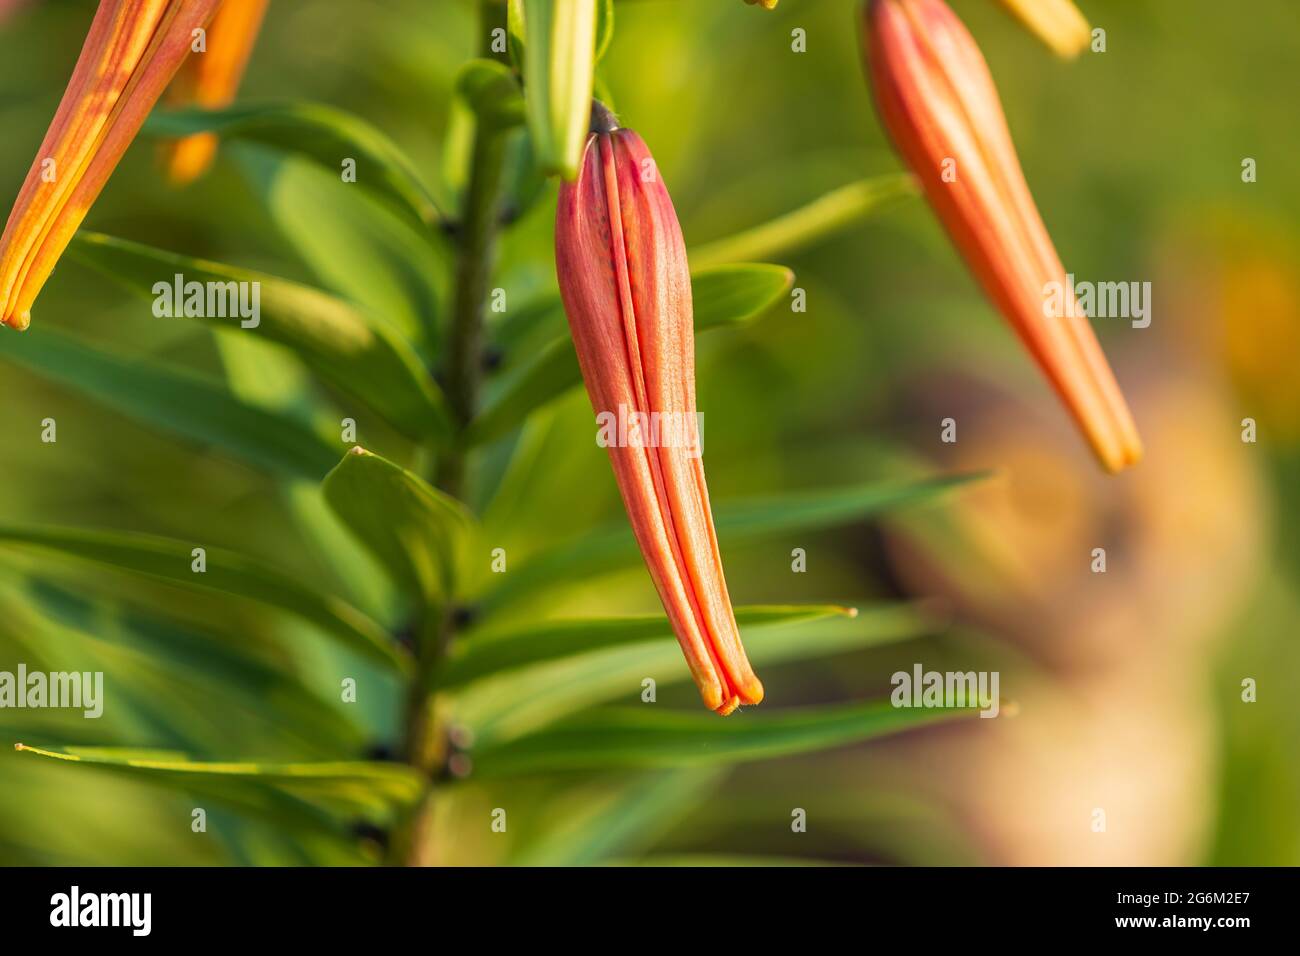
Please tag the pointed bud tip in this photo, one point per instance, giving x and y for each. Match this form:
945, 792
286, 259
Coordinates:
603, 120
19, 321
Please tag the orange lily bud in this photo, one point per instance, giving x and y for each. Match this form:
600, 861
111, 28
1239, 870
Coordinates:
133, 50
626, 286
1058, 23
937, 100
210, 80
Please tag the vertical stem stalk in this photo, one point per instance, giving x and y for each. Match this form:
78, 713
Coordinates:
476, 255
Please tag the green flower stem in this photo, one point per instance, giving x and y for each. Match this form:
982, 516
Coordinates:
476, 255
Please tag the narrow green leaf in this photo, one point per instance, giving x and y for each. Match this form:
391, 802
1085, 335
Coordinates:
415, 530
646, 737
325, 135
725, 296
187, 405
516, 702
485, 654
737, 293
359, 784
614, 547
560, 43
355, 246
822, 217
164, 671
226, 572
604, 27
330, 336
637, 815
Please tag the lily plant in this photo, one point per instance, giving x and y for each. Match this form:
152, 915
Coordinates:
408, 422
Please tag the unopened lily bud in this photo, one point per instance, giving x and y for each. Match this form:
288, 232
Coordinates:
626, 286
1058, 23
131, 53
937, 100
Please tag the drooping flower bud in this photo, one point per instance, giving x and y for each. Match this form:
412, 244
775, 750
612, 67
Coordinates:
210, 80
626, 286
131, 53
937, 100
1058, 23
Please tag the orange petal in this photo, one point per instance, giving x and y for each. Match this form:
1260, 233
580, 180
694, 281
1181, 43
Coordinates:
210, 80
626, 286
131, 53
937, 100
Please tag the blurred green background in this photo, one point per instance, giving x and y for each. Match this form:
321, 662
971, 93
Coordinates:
1126, 687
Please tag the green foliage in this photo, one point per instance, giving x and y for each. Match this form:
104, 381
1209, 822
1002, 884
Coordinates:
390, 546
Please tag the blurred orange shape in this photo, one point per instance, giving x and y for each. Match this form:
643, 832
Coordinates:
937, 100
210, 80
133, 50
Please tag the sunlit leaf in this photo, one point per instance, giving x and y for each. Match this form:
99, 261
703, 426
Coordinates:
362, 785
809, 224
479, 655
519, 701
327, 136
614, 547
184, 404
415, 530
331, 336
162, 672
646, 737
354, 246
226, 572
639, 812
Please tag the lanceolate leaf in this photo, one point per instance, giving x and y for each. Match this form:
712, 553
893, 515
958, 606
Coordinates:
225, 572
355, 246
166, 672
479, 655
822, 217
184, 404
614, 546
326, 135
634, 818
729, 295
331, 336
733, 294
520, 701
362, 785
415, 530
645, 737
